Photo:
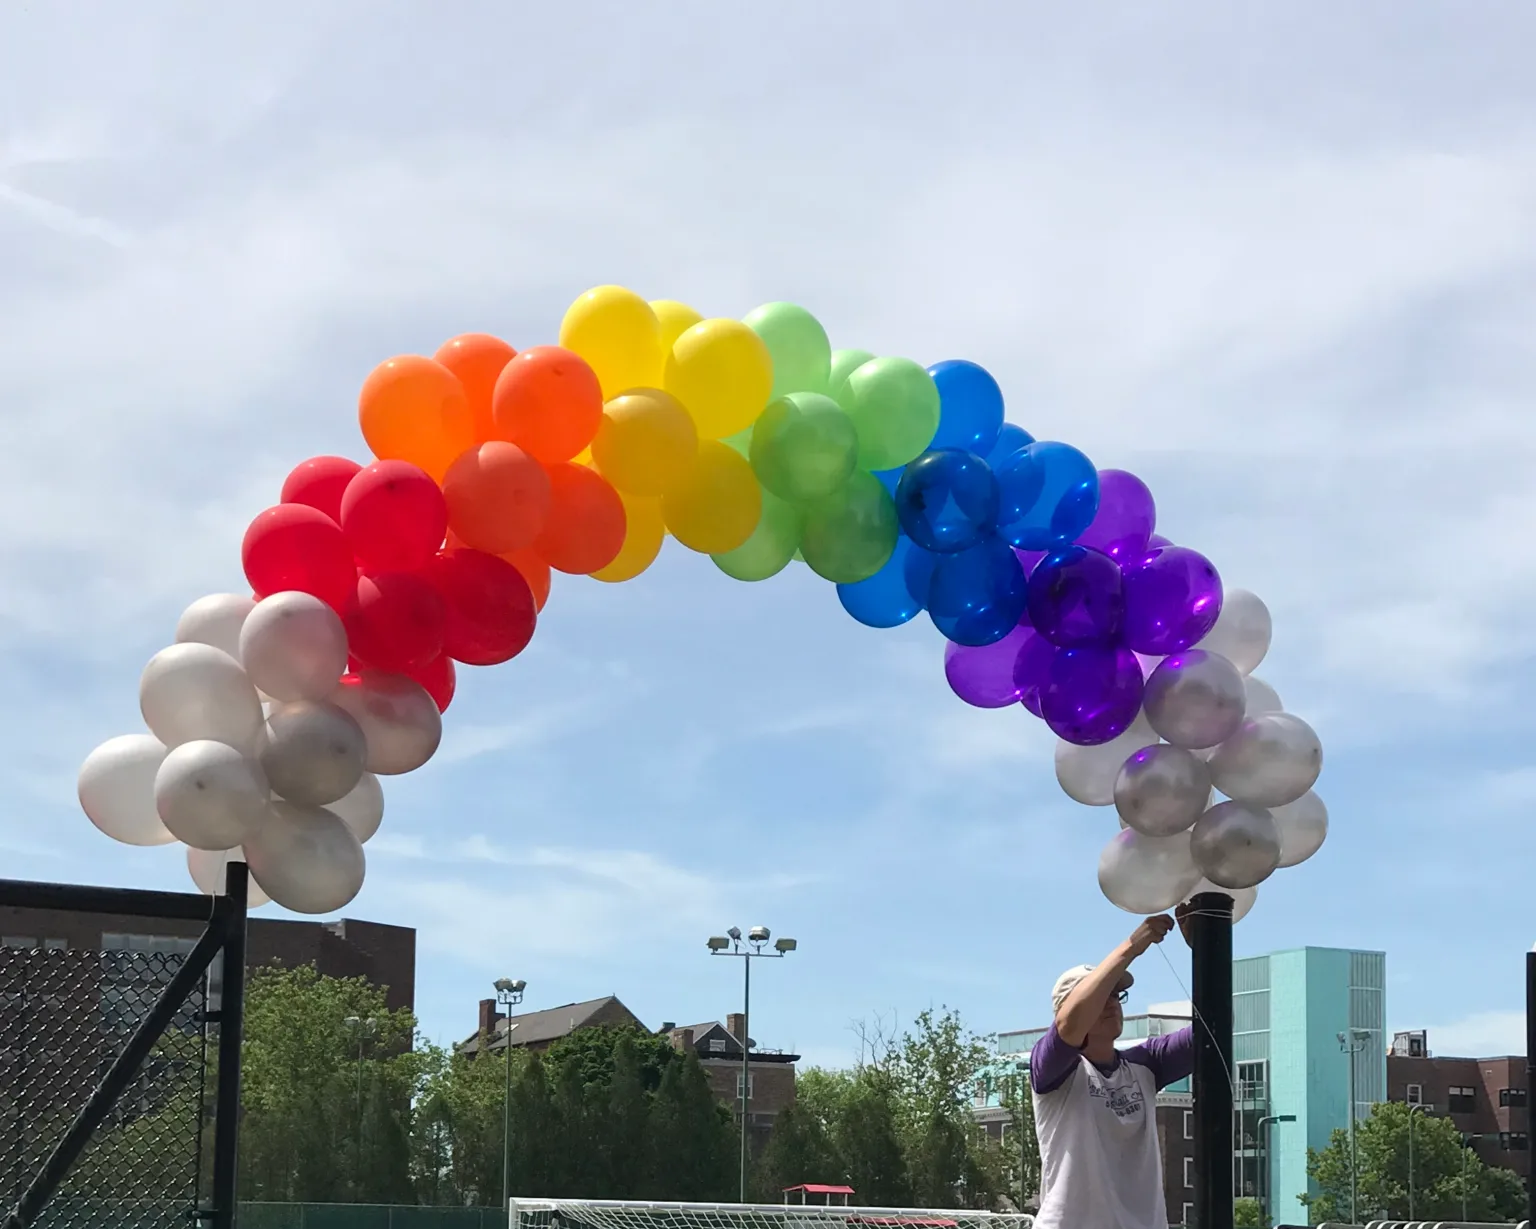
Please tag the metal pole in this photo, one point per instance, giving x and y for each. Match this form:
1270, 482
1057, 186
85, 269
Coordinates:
746, 1065
226, 1122
1211, 992
1530, 1077
1354, 1165
1465, 1153
506, 1117
1412, 1175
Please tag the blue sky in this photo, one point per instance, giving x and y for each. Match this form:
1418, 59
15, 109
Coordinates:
1280, 260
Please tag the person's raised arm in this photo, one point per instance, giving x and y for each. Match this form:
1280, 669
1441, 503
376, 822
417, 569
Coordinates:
1083, 1007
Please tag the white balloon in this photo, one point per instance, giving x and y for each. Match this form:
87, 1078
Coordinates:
306, 859
210, 795
206, 866
1087, 774
1235, 845
1242, 898
117, 789
1273, 759
1260, 697
1147, 874
363, 809
294, 647
314, 752
1303, 827
400, 720
192, 691
1194, 699
1242, 632
215, 620
1162, 790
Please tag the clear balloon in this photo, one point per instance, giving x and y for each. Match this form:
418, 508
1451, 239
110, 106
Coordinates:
1147, 874
362, 810
1127, 514
895, 406
1271, 760
947, 500
1242, 631
1161, 790
191, 691
1260, 697
883, 600
117, 789
1049, 496
293, 647
314, 753
306, 859
804, 447
1088, 774
1076, 598
1242, 898
215, 620
983, 675
1235, 845
976, 596
851, 535
400, 720
1172, 600
1195, 699
209, 795
802, 355
206, 866
1303, 827
970, 407
1092, 695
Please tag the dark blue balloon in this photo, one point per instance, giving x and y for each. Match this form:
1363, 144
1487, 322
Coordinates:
1077, 598
1010, 439
978, 596
889, 478
1049, 494
970, 406
947, 500
883, 600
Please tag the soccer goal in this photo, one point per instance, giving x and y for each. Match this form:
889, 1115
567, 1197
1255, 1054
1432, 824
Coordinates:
635, 1214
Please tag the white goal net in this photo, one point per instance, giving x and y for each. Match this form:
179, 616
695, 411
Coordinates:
633, 1214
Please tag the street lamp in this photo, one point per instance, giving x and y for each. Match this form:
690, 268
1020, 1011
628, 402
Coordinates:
1467, 1153
509, 993
364, 1029
1412, 1110
1353, 1042
750, 949
1264, 1124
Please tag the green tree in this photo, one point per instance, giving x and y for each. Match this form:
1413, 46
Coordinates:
1246, 1214
869, 1143
1020, 1146
800, 1149
629, 1097
692, 1140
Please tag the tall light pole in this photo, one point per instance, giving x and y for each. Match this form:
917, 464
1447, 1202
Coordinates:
1412, 1110
364, 1030
1353, 1042
509, 993
750, 949
1264, 1135
1467, 1153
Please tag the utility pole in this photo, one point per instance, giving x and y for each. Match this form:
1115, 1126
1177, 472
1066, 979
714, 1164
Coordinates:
1352, 1042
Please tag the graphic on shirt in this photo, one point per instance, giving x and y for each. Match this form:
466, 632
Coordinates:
1126, 1101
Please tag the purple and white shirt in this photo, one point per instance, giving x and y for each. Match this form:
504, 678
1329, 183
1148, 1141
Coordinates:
1100, 1163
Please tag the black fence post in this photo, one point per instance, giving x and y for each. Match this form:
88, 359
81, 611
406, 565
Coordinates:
226, 1122
1211, 989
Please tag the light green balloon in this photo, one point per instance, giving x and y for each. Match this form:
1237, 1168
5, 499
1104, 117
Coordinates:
741, 442
804, 447
894, 404
802, 355
844, 364
774, 542
848, 537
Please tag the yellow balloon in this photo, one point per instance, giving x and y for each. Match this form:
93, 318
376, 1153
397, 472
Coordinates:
644, 531
717, 506
676, 319
721, 371
618, 334
645, 443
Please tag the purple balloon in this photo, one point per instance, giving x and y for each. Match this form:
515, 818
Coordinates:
984, 675
1077, 598
1092, 695
1157, 541
1172, 599
1126, 517
1032, 669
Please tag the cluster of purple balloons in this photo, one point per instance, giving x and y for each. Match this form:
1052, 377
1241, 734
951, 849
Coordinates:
1101, 612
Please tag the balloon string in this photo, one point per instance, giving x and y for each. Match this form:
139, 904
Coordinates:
1195, 1012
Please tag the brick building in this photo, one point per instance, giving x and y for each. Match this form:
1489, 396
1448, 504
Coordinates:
1487, 1098
538, 1030
771, 1073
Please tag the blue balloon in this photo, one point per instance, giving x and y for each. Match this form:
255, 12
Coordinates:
1010, 439
890, 478
947, 500
918, 573
1049, 494
978, 596
970, 406
883, 600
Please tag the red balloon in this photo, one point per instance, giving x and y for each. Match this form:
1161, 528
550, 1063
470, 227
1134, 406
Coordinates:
395, 622
294, 546
319, 482
584, 530
440, 679
394, 516
491, 614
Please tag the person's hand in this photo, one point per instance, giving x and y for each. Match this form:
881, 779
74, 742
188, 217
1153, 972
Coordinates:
1153, 930
1185, 914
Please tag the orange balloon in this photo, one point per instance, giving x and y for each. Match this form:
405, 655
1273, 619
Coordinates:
548, 402
644, 532
535, 571
477, 359
498, 497
585, 528
414, 409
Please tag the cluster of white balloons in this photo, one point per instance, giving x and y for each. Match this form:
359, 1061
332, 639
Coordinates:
1213, 782
262, 748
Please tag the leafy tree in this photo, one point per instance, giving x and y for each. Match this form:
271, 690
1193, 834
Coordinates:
869, 1142
692, 1139
1021, 1146
1246, 1214
800, 1149
629, 1096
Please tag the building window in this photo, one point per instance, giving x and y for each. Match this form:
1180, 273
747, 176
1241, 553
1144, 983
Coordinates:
715, 1045
1512, 1098
738, 1087
1188, 1217
1460, 1099
20, 943
1250, 1081
1189, 1173
1415, 1094
1189, 1124
1514, 1141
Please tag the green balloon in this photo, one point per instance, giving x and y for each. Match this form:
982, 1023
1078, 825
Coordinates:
774, 542
741, 442
802, 355
804, 447
848, 537
844, 364
894, 403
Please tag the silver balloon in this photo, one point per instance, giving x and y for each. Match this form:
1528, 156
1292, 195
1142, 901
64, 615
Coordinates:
1162, 790
1242, 898
117, 789
314, 752
400, 720
1242, 632
215, 620
1087, 774
294, 647
206, 866
1147, 874
306, 859
1272, 759
1260, 697
192, 691
1235, 845
1195, 699
362, 810
210, 795
1303, 827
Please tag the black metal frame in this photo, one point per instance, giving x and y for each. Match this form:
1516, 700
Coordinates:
226, 921
1530, 1080
1211, 993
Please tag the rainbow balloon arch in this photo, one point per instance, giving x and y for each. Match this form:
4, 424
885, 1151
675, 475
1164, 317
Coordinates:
274, 714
